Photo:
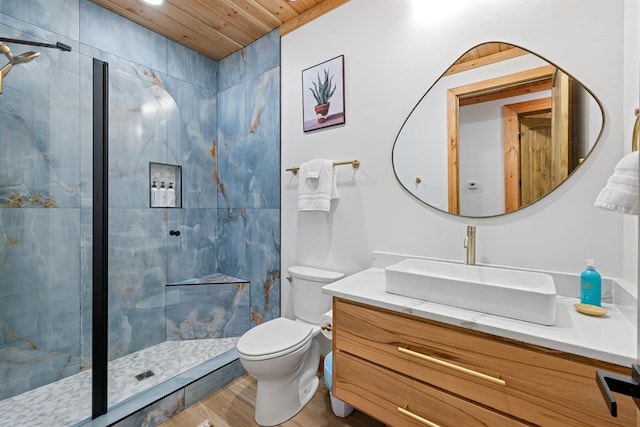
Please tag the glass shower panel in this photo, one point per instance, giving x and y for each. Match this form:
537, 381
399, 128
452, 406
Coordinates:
45, 239
144, 127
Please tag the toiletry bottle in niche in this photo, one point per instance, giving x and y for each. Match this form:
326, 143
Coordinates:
154, 195
171, 196
162, 195
590, 285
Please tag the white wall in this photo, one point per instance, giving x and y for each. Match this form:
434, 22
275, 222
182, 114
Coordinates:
393, 53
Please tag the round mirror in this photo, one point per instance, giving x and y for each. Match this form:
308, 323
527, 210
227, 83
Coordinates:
499, 130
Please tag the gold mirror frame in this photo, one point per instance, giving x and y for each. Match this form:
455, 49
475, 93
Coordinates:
547, 77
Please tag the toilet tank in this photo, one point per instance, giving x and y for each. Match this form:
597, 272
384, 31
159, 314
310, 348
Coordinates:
307, 299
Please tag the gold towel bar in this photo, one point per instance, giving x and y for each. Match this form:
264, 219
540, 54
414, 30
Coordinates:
354, 163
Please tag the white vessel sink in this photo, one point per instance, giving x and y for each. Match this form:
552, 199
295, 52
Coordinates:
516, 294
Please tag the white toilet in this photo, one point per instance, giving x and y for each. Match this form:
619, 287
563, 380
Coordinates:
282, 354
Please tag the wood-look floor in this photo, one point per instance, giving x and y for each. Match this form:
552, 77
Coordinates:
233, 406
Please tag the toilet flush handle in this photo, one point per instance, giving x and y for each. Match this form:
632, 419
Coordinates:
290, 279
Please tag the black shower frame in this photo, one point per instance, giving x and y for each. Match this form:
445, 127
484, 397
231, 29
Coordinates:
100, 237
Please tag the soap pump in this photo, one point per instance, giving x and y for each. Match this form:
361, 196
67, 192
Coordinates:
171, 196
590, 285
154, 195
162, 195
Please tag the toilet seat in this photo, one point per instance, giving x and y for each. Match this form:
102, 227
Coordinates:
273, 339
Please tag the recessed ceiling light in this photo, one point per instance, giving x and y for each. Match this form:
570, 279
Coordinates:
154, 2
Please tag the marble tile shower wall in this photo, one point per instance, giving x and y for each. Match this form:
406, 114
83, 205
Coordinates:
219, 121
247, 150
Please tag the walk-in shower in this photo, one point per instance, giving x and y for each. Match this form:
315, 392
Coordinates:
178, 284
101, 301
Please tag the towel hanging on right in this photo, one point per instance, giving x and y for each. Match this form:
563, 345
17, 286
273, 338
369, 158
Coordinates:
317, 185
621, 192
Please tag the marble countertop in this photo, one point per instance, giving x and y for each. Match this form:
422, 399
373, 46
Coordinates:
611, 338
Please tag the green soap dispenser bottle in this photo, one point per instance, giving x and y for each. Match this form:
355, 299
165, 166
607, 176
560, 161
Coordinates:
590, 285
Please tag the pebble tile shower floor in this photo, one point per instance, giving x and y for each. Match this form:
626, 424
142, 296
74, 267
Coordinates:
68, 401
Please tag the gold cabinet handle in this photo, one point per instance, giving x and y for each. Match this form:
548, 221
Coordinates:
475, 374
417, 418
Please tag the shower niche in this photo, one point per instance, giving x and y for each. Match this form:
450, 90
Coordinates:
165, 185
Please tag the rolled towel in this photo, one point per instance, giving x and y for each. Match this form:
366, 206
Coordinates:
621, 192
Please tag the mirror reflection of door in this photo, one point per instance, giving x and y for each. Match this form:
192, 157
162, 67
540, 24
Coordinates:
522, 92
542, 144
536, 165
519, 170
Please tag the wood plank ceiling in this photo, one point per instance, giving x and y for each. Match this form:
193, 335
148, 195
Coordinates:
217, 28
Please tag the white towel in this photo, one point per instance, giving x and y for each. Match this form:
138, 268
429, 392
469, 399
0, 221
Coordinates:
312, 169
316, 193
621, 192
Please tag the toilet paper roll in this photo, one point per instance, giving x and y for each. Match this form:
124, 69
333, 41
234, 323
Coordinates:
326, 324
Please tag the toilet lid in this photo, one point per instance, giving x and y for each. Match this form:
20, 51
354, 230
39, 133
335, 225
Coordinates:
314, 274
274, 336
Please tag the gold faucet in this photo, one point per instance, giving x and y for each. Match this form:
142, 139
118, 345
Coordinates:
470, 244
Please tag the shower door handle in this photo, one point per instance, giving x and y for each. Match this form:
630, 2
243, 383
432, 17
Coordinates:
174, 233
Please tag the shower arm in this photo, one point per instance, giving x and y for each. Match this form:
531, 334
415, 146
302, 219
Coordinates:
58, 45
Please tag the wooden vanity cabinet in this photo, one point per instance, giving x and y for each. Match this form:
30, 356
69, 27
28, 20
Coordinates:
405, 370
